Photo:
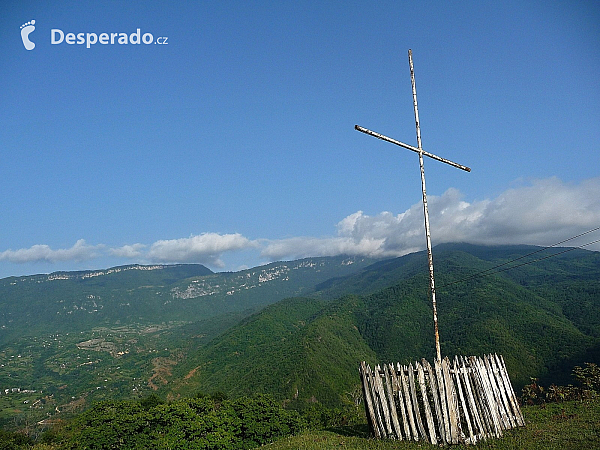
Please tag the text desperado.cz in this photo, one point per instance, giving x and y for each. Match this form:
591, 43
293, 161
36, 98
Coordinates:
58, 36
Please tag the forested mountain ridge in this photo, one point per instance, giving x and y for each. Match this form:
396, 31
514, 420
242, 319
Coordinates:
74, 301
542, 317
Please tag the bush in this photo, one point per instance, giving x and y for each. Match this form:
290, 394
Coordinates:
588, 379
318, 416
151, 401
262, 420
10, 440
195, 423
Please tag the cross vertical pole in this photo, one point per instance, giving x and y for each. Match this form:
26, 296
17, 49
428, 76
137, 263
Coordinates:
425, 210
421, 153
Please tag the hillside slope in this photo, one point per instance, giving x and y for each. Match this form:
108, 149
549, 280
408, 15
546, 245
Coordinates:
526, 314
300, 349
70, 338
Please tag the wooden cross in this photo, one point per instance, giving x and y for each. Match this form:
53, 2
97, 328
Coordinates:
421, 152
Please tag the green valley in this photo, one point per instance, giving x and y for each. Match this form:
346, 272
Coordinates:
293, 330
79, 337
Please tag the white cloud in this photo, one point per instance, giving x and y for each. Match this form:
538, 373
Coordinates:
128, 251
542, 213
205, 248
43, 253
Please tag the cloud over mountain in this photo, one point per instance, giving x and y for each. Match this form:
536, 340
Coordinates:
542, 212
205, 248
41, 252
128, 251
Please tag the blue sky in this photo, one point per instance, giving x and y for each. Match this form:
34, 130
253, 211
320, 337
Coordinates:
233, 144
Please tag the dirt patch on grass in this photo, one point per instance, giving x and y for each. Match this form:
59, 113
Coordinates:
191, 373
162, 370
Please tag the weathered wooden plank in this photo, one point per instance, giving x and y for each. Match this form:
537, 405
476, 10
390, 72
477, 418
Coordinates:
393, 379
391, 402
491, 401
385, 413
452, 402
473, 408
415, 402
400, 396
462, 404
444, 401
377, 404
502, 420
369, 405
433, 383
502, 415
512, 398
510, 421
426, 406
408, 400
482, 398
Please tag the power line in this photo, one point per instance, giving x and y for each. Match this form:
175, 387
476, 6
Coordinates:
549, 256
493, 270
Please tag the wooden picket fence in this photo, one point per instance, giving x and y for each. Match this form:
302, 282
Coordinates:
464, 401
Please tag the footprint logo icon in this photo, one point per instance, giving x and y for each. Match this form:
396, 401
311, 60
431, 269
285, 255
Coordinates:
26, 30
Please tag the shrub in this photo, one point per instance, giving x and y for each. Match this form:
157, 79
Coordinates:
13, 440
319, 416
262, 420
533, 393
207, 423
151, 401
587, 377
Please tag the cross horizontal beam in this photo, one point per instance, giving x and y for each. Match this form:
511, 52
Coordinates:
410, 147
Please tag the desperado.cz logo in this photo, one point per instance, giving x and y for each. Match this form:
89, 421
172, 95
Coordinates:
58, 36
26, 30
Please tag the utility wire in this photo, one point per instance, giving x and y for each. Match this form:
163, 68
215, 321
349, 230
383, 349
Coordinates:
549, 256
493, 270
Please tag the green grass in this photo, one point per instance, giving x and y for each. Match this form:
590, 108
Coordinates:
560, 426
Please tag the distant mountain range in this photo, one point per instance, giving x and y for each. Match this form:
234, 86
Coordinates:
136, 294
542, 317
294, 329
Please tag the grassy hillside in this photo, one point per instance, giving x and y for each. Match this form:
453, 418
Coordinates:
300, 348
558, 426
